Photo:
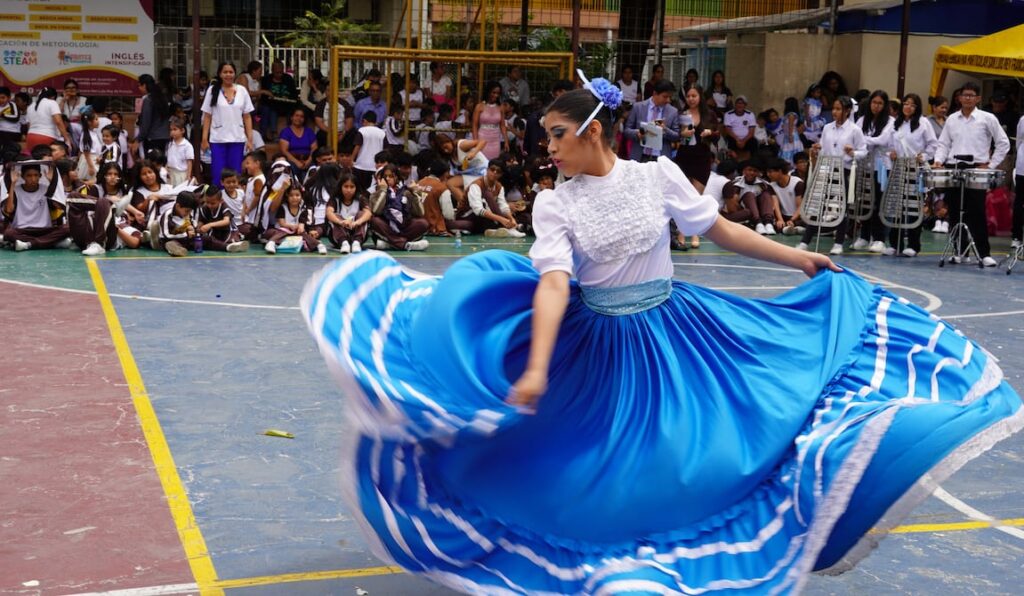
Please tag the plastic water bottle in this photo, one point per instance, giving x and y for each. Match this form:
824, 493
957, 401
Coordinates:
458, 239
198, 244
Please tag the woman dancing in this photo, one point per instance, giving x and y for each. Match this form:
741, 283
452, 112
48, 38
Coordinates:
519, 431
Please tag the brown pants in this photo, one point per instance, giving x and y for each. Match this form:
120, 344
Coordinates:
756, 209
276, 235
92, 220
340, 234
214, 241
38, 237
413, 229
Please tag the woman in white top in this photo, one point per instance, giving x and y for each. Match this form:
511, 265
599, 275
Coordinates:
877, 126
441, 86
687, 439
629, 86
839, 138
912, 138
227, 122
45, 122
71, 104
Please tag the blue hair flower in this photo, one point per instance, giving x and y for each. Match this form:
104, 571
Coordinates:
606, 92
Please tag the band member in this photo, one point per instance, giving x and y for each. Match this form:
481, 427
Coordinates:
966, 142
877, 126
914, 140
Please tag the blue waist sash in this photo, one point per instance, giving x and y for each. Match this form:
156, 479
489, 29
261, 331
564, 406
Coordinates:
626, 300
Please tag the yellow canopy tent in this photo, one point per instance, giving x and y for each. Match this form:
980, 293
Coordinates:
1000, 54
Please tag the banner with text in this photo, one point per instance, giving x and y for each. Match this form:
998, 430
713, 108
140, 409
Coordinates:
103, 44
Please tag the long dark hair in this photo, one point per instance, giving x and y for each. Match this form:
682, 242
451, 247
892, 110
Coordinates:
707, 117
87, 116
156, 96
325, 178
576, 105
875, 124
348, 176
488, 87
137, 172
46, 93
915, 119
218, 83
101, 178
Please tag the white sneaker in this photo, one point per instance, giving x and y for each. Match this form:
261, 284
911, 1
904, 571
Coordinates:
270, 247
497, 233
321, 248
788, 230
989, 262
513, 233
240, 246
937, 228
346, 247
859, 244
889, 251
94, 250
769, 230
837, 249
801, 246
759, 228
356, 247
945, 227
909, 252
877, 246
1014, 245
65, 243
382, 245
955, 260
800, 229
20, 245
417, 245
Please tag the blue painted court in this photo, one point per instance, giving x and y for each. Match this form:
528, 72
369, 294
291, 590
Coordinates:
224, 355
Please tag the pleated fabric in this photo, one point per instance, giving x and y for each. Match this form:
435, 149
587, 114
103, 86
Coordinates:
709, 443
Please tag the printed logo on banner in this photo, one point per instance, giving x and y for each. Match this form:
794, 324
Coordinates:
20, 58
67, 58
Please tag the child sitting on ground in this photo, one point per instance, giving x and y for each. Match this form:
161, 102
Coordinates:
292, 218
176, 229
215, 224
348, 214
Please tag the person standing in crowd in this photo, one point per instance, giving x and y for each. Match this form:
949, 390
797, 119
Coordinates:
10, 118
738, 128
940, 109
657, 74
369, 140
1017, 226
227, 122
45, 121
281, 95
251, 80
70, 105
441, 88
514, 86
971, 138
313, 91
840, 138
488, 123
877, 126
691, 78
659, 111
720, 93
412, 100
628, 85
372, 103
912, 138
153, 128
832, 87
535, 138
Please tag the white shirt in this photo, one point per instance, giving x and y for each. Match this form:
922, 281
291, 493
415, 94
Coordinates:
250, 197
227, 124
878, 146
373, 143
417, 96
179, 154
582, 225
835, 138
10, 110
440, 86
629, 90
908, 143
740, 124
234, 205
787, 195
40, 118
716, 183
32, 208
478, 205
1020, 146
972, 135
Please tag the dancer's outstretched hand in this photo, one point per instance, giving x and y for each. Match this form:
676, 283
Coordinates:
527, 390
812, 262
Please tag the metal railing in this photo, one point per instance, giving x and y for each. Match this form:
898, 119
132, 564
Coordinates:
718, 9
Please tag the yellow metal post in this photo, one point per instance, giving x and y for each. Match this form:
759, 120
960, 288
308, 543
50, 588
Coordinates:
332, 101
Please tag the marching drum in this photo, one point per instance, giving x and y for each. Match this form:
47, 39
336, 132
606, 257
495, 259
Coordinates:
983, 178
939, 178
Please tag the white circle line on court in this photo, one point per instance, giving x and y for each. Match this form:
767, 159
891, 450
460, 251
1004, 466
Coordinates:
972, 513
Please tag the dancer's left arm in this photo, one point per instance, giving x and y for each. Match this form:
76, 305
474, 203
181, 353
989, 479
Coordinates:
741, 239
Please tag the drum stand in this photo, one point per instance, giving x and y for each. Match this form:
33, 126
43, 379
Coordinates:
1016, 255
955, 247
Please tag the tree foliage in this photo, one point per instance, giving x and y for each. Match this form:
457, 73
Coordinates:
329, 27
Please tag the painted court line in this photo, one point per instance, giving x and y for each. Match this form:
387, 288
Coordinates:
177, 499
944, 496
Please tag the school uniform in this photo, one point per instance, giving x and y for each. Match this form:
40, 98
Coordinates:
741, 125
178, 156
756, 198
10, 123
834, 139
911, 142
91, 218
878, 143
397, 216
33, 219
981, 137
339, 234
788, 195
249, 226
216, 238
482, 200
298, 216
174, 227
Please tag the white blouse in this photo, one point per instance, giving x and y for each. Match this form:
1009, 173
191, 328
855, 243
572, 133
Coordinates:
835, 138
908, 143
878, 146
227, 123
613, 230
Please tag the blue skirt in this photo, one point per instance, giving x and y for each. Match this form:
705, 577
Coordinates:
710, 442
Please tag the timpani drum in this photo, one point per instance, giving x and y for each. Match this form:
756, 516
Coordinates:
983, 178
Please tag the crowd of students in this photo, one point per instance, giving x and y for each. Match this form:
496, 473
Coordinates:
411, 166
